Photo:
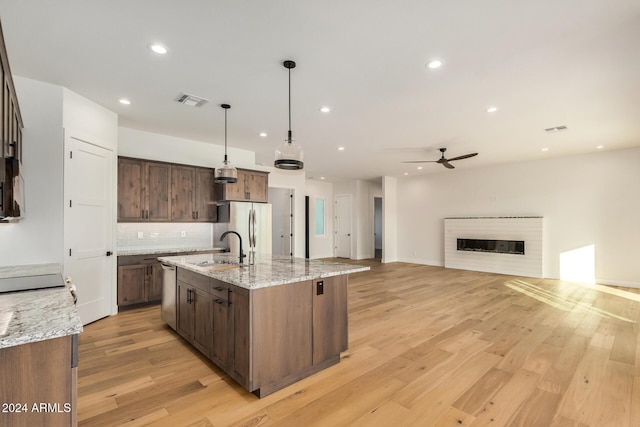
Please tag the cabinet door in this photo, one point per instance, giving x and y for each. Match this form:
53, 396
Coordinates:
131, 204
232, 192
205, 196
154, 289
185, 311
330, 334
182, 196
256, 187
158, 191
132, 284
203, 320
221, 330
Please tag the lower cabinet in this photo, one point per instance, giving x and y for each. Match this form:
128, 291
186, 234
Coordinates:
195, 316
266, 338
39, 383
139, 282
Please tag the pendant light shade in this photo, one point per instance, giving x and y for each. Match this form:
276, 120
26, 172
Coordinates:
289, 154
226, 174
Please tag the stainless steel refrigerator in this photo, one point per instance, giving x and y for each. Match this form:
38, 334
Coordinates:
252, 221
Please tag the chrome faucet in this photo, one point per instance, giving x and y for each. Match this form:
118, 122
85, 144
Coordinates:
242, 255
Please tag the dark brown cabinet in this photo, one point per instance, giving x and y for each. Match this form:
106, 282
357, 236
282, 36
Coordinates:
11, 152
252, 186
269, 337
139, 280
195, 315
144, 190
193, 198
39, 373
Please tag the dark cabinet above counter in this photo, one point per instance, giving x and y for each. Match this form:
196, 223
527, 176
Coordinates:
153, 191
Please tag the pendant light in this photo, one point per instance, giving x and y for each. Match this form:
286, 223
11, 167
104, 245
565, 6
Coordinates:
289, 154
226, 174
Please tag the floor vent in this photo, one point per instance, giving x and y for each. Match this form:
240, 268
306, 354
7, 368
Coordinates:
191, 100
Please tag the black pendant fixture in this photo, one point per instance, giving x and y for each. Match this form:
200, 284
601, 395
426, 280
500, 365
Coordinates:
289, 154
226, 174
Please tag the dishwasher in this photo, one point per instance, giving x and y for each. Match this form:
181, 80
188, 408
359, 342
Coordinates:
168, 305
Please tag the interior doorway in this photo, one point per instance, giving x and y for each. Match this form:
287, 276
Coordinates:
343, 226
88, 224
377, 227
281, 200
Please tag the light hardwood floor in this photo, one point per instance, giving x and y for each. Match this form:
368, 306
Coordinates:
427, 346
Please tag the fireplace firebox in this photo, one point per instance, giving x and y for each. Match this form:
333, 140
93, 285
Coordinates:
515, 247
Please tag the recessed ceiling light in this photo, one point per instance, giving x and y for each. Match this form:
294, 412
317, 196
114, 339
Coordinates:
124, 101
600, 147
406, 173
263, 134
433, 64
158, 48
545, 149
322, 177
325, 109
340, 148
419, 167
491, 109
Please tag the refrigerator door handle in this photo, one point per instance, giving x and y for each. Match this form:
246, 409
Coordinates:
254, 228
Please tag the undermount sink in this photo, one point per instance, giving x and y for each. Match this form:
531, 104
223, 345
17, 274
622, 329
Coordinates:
214, 265
220, 267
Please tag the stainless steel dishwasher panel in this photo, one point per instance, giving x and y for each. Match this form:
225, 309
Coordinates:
168, 305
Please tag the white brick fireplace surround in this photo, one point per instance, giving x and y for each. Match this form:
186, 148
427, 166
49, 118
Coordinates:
527, 229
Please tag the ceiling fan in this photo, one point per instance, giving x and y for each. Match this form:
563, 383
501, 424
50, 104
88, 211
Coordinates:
444, 162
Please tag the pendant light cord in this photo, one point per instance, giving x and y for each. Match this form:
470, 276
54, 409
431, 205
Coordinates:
289, 134
225, 136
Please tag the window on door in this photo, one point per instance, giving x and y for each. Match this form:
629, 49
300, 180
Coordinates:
319, 217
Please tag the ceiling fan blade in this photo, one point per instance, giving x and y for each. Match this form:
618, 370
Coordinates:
466, 156
421, 161
447, 165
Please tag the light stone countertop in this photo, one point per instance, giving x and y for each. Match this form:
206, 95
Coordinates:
31, 316
265, 271
154, 251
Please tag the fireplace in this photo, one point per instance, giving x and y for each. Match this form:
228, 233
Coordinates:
515, 247
506, 245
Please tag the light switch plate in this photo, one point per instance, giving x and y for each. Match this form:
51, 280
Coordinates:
140, 235
183, 234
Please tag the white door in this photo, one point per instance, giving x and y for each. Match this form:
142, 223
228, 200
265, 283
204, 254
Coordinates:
343, 226
281, 200
88, 225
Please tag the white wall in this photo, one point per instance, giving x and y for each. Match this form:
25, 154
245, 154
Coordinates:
320, 246
591, 199
84, 115
390, 219
154, 146
38, 238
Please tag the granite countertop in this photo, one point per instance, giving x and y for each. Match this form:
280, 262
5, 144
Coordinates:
265, 271
154, 251
38, 315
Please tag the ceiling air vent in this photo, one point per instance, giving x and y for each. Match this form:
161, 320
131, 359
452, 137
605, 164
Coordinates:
191, 100
556, 129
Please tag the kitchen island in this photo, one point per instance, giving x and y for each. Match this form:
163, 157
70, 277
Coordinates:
268, 324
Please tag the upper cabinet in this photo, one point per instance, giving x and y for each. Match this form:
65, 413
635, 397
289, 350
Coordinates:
192, 194
151, 191
252, 186
144, 190
11, 193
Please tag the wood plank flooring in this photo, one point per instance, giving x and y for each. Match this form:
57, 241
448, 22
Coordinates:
428, 346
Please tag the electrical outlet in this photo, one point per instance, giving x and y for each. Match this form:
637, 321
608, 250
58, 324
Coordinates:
183, 234
140, 234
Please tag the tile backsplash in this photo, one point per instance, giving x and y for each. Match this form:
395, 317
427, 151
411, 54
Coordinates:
151, 235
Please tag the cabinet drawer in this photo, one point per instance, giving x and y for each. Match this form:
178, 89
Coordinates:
219, 289
195, 280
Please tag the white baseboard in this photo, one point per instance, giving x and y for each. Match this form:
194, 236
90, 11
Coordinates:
421, 262
618, 283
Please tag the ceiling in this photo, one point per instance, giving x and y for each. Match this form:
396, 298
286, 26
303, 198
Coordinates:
543, 63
